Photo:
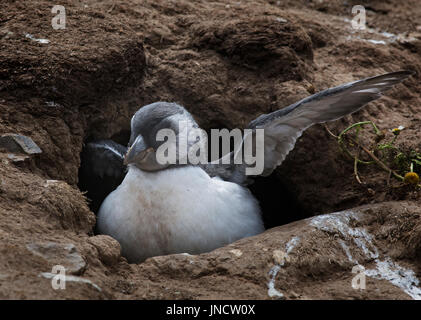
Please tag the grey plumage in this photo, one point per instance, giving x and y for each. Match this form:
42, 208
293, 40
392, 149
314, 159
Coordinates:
153, 117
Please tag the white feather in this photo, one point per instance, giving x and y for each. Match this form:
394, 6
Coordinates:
175, 211
371, 90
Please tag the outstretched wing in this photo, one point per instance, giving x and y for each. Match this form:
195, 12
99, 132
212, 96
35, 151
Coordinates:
282, 128
102, 170
285, 126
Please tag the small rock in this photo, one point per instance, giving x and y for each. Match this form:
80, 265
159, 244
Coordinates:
282, 20
405, 38
50, 183
53, 104
236, 252
19, 143
371, 192
59, 254
109, 249
279, 257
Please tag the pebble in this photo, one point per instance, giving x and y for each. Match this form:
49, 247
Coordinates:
17, 143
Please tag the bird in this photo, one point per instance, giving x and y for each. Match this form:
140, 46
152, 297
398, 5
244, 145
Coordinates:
155, 209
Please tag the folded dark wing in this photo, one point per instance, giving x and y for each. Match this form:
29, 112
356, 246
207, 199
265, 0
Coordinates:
102, 169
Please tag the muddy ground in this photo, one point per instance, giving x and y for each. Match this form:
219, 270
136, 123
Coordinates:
226, 62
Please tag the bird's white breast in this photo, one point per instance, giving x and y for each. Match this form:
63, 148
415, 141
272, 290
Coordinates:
175, 211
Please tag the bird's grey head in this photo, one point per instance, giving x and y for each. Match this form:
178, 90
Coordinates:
145, 125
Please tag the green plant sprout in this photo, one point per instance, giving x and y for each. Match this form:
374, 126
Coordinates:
387, 152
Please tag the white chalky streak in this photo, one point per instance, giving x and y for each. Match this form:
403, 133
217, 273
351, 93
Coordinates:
272, 292
386, 269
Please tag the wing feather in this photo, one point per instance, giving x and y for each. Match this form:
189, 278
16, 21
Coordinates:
283, 127
102, 169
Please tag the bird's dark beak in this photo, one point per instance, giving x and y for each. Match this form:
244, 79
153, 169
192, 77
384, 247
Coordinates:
137, 152
142, 156
128, 157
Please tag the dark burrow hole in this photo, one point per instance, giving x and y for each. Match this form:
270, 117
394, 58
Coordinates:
278, 203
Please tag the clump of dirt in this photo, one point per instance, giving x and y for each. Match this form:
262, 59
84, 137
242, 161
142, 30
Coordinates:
76, 66
47, 85
227, 62
260, 44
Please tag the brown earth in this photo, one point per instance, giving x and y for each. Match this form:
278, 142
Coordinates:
226, 62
